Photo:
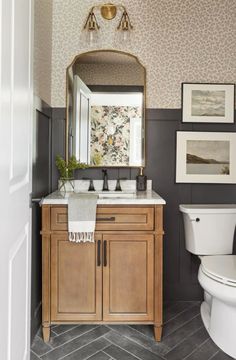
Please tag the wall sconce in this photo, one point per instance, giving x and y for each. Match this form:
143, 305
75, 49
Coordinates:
108, 12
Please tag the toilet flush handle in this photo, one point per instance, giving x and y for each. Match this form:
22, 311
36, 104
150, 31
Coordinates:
197, 219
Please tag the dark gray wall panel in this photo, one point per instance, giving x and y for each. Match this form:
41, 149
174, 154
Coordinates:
42, 161
180, 274
41, 186
36, 271
180, 267
58, 140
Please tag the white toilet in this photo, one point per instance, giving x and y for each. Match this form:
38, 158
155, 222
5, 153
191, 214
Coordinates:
209, 233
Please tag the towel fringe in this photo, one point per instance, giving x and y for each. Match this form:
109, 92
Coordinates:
78, 237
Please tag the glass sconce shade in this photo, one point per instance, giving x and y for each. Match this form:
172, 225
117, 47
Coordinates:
92, 37
91, 27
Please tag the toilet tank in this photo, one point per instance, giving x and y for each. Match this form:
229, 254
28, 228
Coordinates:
209, 229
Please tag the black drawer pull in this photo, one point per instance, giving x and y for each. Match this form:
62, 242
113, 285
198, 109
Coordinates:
99, 253
112, 218
105, 253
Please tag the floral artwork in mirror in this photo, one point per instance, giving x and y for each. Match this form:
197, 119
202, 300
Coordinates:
105, 109
115, 138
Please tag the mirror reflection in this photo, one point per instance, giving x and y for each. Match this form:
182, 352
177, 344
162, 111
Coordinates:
105, 109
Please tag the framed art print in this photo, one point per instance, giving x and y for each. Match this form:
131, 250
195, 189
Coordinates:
205, 157
208, 103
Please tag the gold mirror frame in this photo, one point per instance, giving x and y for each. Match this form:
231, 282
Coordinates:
144, 107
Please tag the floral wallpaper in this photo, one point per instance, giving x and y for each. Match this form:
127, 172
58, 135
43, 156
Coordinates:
176, 40
110, 134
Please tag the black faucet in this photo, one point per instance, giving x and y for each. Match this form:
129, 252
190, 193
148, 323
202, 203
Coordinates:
91, 185
118, 187
105, 181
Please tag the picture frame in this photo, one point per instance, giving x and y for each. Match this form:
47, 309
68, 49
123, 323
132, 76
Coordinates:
208, 103
205, 157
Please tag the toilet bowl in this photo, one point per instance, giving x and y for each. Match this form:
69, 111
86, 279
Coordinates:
209, 233
218, 311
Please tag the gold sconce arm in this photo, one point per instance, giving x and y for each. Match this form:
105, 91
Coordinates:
108, 12
125, 23
91, 21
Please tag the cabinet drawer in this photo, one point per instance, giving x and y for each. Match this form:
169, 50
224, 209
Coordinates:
108, 218
59, 218
125, 218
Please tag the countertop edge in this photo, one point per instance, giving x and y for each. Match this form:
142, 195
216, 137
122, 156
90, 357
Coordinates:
147, 198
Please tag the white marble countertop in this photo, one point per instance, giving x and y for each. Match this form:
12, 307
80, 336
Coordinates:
148, 197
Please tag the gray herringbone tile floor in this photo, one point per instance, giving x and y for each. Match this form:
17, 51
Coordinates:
184, 337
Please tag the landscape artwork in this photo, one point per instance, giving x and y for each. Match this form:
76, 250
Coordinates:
208, 157
208, 103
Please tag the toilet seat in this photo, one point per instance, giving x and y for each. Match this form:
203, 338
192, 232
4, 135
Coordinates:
221, 268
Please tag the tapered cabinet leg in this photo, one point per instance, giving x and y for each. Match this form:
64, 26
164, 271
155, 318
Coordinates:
46, 333
157, 332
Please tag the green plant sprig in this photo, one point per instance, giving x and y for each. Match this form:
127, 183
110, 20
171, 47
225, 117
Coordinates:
66, 170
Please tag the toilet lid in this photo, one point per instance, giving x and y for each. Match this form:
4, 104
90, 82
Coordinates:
221, 268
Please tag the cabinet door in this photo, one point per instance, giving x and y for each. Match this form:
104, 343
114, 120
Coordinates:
128, 277
76, 279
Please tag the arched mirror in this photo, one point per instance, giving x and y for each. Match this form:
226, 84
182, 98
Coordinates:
105, 109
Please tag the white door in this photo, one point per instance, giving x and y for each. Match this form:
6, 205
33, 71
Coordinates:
81, 120
15, 177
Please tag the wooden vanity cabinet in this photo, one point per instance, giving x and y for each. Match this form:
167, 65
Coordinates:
117, 279
128, 277
76, 280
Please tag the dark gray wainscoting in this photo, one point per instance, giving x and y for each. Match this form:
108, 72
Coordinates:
41, 186
58, 140
180, 267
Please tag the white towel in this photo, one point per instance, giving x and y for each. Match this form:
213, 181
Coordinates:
82, 217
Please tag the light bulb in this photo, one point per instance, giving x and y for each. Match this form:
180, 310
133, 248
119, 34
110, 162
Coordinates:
92, 37
125, 35
122, 37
